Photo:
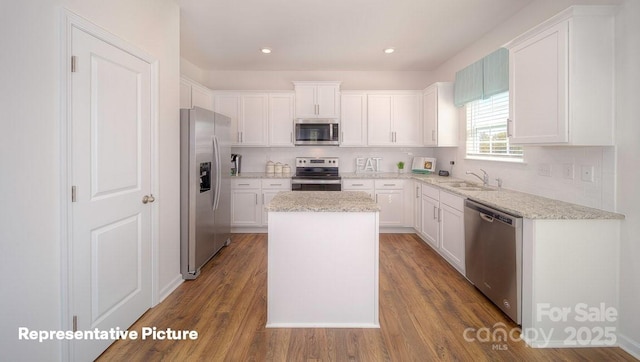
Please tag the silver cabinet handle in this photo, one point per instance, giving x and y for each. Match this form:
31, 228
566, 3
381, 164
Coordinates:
439, 213
256, 198
262, 199
434, 213
417, 192
509, 128
148, 198
357, 184
291, 133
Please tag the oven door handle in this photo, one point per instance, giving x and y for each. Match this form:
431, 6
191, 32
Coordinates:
307, 181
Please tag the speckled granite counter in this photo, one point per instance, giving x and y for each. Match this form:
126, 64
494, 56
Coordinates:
262, 175
322, 201
518, 203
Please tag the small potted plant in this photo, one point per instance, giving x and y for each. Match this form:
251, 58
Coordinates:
400, 166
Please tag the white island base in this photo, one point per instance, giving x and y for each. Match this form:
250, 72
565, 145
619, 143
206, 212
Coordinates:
322, 270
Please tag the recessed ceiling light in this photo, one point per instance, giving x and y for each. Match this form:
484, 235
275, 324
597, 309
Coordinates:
266, 50
389, 50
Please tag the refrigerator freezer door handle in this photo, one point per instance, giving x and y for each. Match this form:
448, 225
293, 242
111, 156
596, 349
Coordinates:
218, 170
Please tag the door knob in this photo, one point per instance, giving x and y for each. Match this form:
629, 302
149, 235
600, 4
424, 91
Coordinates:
148, 198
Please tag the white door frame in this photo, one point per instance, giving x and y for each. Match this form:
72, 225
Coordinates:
68, 21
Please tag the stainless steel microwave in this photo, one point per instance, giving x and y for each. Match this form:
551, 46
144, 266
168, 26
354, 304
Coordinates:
317, 132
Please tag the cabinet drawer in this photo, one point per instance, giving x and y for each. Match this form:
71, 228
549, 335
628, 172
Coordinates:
431, 192
252, 183
389, 184
277, 184
355, 184
454, 201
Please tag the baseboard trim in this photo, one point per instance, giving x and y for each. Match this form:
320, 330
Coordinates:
166, 291
629, 345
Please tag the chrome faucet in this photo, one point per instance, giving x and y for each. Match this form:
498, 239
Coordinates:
484, 178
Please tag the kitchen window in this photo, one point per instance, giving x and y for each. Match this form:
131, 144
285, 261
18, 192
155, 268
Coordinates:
487, 130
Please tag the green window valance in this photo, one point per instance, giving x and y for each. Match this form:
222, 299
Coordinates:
482, 79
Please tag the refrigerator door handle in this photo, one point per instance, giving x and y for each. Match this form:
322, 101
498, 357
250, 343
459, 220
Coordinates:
216, 167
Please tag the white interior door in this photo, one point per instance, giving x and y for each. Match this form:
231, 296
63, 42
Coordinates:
111, 170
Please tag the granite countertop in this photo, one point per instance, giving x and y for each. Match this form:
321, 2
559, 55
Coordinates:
322, 201
517, 203
262, 175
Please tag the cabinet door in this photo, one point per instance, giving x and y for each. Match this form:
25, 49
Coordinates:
306, 101
391, 203
353, 119
379, 124
538, 88
281, 120
417, 205
245, 210
201, 97
253, 130
229, 105
430, 116
406, 123
430, 228
328, 101
452, 236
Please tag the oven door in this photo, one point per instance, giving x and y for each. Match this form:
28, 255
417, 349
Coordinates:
315, 185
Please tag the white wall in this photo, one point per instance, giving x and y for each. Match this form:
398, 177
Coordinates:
628, 178
351, 80
191, 71
30, 268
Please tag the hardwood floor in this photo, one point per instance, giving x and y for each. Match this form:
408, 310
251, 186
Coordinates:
425, 307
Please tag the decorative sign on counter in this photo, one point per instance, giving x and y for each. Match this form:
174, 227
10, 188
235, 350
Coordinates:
371, 164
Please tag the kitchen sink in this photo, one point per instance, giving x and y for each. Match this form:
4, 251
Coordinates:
468, 186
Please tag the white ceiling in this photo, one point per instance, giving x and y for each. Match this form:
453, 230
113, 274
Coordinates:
334, 34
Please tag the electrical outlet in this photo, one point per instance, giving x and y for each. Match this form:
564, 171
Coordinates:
567, 171
587, 173
544, 169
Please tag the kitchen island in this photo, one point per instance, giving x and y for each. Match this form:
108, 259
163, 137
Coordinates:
322, 260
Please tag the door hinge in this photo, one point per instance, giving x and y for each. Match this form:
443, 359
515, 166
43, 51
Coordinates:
75, 323
74, 193
74, 63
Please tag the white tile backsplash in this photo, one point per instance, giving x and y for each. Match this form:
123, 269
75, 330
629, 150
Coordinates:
254, 159
525, 177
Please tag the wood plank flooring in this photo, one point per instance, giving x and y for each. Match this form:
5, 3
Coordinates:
425, 307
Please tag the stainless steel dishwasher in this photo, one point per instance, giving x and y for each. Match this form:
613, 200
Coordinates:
493, 256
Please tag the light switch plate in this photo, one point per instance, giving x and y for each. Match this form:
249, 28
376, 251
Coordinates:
568, 171
544, 169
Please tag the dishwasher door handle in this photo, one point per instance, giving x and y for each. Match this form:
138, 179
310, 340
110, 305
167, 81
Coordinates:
486, 218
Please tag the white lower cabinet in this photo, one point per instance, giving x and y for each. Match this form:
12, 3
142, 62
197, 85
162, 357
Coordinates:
393, 196
270, 188
442, 224
245, 200
359, 185
389, 195
249, 198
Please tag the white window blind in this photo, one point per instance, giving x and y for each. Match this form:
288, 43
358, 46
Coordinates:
487, 129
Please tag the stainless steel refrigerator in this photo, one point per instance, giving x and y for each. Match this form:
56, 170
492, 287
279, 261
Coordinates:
205, 187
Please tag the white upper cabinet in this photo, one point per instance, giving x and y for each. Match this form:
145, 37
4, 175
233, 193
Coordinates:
281, 108
248, 113
254, 116
561, 80
440, 116
193, 94
353, 119
317, 99
394, 119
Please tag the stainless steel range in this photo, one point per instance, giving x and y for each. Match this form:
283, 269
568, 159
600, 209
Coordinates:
316, 174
